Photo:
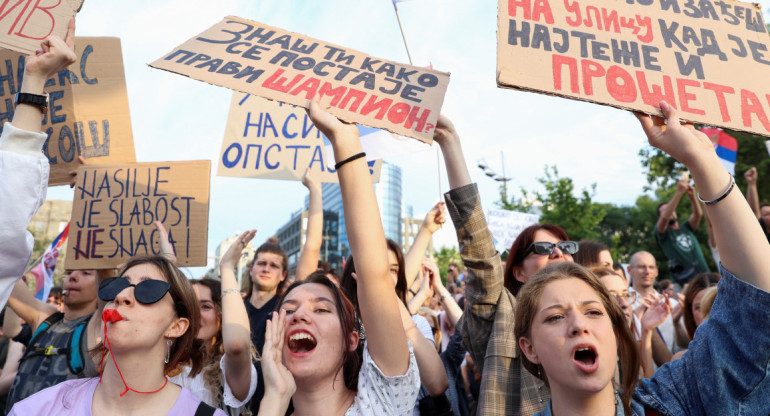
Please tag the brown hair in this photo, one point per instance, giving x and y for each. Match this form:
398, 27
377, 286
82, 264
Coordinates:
270, 246
213, 350
349, 285
351, 361
520, 245
185, 349
588, 254
700, 282
527, 307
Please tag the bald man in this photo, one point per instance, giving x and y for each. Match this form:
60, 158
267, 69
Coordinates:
643, 270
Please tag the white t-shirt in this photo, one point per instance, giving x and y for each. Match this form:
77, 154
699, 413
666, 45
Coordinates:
198, 387
380, 395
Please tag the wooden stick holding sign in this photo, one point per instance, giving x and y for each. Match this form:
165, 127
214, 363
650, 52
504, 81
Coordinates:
251, 57
115, 208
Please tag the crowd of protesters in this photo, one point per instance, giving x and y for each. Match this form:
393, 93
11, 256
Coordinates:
555, 328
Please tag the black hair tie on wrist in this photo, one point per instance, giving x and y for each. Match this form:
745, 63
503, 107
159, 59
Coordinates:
338, 165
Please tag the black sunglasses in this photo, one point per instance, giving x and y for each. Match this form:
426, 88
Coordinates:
544, 247
147, 291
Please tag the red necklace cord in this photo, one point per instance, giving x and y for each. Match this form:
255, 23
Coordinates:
101, 370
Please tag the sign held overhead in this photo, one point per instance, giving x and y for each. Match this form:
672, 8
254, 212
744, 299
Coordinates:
261, 60
269, 140
710, 60
88, 107
115, 207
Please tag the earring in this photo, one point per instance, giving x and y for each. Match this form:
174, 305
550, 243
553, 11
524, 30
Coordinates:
168, 350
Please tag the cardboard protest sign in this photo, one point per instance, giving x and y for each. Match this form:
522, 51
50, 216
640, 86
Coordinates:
506, 225
25, 23
270, 140
709, 59
88, 107
250, 57
115, 206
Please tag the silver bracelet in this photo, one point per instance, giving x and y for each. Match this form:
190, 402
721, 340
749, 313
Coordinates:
231, 290
724, 195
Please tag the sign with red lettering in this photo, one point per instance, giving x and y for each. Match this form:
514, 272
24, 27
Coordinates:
270, 140
250, 57
88, 107
709, 59
115, 207
25, 23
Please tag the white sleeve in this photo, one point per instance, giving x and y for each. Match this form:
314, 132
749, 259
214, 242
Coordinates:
424, 326
228, 398
23, 184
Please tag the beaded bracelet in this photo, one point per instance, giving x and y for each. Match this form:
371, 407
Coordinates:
724, 195
338, 165
231, 290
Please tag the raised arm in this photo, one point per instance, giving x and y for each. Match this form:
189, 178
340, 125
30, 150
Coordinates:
377, 299
752, 195
484, 282
452, 309
652, 318
697, 211
29, 308
668, 210
23, 167
236, 331
311, 251
446, 137
743, 248
433, 221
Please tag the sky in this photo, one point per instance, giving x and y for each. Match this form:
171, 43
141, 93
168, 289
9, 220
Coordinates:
175, 118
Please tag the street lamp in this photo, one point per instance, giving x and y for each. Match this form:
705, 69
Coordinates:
482, 164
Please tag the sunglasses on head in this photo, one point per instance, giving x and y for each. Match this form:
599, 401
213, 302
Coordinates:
147, 291
544, 247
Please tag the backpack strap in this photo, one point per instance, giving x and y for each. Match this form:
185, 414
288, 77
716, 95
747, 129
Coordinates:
44, 326
52, 319
204, 409
74, 354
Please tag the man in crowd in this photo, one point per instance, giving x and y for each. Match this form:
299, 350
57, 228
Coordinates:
762, 211
679, 243
60, 344
643, 270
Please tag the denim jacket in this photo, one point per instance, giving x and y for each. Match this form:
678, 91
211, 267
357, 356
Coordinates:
726, 370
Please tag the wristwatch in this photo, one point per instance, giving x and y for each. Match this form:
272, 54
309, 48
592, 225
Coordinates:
40, 101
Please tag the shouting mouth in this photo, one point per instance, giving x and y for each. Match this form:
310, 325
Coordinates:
586, 358
301, 343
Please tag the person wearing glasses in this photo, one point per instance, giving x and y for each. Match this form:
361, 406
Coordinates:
643, 270
151, 317
490, 289
652, 349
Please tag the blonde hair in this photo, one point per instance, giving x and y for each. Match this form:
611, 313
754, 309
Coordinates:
708, 301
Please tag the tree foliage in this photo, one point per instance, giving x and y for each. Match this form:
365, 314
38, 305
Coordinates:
558, 204
444, 257
662, 171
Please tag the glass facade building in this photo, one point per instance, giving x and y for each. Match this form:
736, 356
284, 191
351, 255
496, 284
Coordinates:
335, 247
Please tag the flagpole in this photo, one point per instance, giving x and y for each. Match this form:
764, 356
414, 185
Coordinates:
409, 55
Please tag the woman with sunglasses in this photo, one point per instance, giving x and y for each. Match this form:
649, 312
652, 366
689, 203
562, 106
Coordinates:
315, 356
150, 317
572, 333
490, 290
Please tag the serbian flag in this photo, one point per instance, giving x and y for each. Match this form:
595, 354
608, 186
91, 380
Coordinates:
43, 272
725, 145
